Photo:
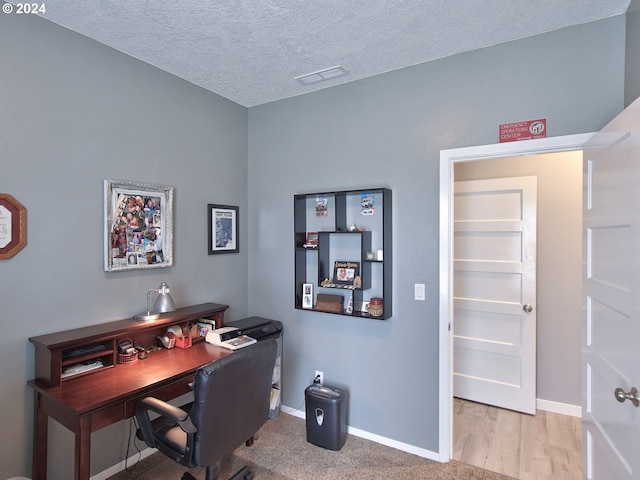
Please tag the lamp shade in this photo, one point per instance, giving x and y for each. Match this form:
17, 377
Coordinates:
164, 301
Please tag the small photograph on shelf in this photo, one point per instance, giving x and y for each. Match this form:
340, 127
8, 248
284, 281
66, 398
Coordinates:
346, 273
362, 306
321, 206
312, 240
307, 296
367, 204
350, 304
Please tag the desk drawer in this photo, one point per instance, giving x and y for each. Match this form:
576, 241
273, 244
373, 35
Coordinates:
166, 392
106, 416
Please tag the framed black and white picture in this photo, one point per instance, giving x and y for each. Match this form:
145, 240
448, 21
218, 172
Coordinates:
223, 229
307, 295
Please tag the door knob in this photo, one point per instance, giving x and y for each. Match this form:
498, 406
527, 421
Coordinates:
527, 308
633, 396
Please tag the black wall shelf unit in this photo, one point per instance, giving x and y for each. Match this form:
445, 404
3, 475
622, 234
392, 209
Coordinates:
347, 226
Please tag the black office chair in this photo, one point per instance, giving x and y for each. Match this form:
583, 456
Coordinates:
231, 403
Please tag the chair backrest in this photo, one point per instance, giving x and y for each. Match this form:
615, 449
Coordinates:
231, 400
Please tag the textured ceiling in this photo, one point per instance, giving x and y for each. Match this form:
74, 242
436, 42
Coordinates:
249, 51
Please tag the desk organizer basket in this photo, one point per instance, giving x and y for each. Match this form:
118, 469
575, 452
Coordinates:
127, 358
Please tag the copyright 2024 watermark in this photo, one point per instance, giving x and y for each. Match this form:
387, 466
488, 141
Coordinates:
24, 8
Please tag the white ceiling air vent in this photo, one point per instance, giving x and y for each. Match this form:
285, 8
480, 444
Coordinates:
322, 75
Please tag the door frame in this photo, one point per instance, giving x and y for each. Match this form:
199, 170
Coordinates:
447, 160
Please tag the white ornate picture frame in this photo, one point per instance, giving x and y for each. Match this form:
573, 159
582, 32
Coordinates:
138, 226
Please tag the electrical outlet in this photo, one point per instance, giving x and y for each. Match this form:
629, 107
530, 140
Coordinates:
319, 377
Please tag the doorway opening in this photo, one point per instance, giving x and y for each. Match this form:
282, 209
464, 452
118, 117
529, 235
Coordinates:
505, 238
448, 159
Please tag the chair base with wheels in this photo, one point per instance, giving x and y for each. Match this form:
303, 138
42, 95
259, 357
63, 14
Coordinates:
243, 474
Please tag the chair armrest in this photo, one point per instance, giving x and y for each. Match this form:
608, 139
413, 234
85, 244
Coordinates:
166, 411
163, 408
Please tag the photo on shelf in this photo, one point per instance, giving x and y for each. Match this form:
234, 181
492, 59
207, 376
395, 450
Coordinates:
367, 204
346, 273
321, 206
307, 296
312, 240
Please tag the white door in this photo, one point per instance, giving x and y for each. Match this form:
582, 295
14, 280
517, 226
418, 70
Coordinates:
611, 348
494, 291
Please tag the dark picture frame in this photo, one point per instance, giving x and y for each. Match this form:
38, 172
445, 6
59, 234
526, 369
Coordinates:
346, 273
138, 223
223, 228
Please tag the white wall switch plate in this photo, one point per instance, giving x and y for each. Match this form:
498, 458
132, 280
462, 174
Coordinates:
419, 291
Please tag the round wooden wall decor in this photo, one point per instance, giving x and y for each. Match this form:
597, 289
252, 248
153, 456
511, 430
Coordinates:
13, 226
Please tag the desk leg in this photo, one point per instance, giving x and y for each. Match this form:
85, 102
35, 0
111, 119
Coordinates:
83, 449
40, 435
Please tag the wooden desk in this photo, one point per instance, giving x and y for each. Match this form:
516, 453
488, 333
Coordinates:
98, 398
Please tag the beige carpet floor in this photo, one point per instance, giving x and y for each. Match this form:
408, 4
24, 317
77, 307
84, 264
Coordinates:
282, 452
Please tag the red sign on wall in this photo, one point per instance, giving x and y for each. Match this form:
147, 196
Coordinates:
511, 132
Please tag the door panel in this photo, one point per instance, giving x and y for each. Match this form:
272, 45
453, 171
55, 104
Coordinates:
611, 429
492, 246
494, 276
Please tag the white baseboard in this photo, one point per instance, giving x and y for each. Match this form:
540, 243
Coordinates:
389, 442
557, 407
111, 471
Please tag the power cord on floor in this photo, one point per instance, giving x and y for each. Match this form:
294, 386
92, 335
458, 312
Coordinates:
133, 422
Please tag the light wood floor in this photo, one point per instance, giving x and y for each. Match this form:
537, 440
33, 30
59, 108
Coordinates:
527, 447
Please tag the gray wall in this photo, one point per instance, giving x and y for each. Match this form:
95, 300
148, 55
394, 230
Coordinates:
73, 113
559, 264
388, 131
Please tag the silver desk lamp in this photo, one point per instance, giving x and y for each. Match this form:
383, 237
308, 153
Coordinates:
164, 303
